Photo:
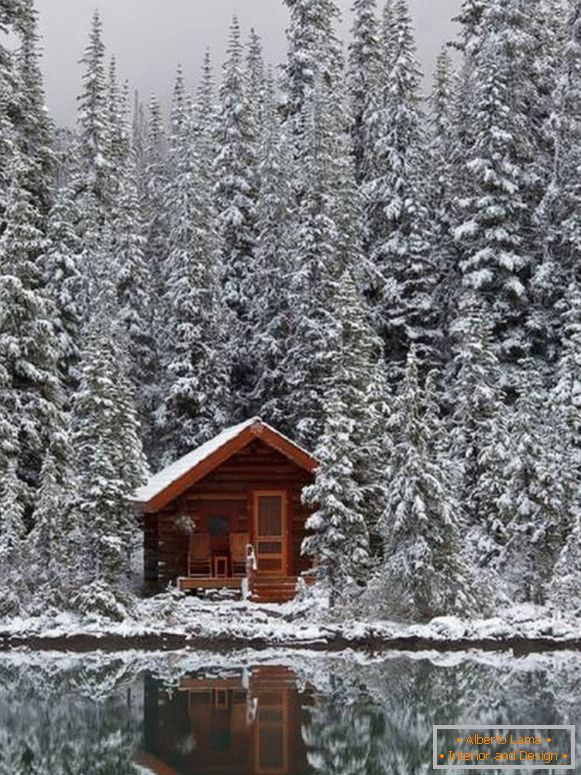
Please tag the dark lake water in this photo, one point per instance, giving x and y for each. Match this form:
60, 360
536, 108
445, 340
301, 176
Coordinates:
188, 714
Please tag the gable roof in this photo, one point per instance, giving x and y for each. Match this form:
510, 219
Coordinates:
176, 478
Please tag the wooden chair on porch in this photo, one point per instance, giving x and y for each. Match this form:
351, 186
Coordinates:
238, 544
200, 555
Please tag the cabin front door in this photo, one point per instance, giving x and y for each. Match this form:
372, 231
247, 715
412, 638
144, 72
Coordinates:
270, 532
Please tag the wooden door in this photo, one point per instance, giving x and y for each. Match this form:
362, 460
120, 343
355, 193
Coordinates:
270, 542
272, 732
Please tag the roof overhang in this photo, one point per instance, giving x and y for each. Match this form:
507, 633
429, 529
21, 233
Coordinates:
166, 486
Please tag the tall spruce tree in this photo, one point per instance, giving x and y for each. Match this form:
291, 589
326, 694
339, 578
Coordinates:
134, 300
269, 311
404, 289
236, 192
34, 127
363, 75
12, 545
64, 284
314, 55
94, 181
108, 461
31, 396
480, 441
534, 502
423, 572
196, 385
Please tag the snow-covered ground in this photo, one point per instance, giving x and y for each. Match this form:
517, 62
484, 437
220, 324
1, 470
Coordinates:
305, 623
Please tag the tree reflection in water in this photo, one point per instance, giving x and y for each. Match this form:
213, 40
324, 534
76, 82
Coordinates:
174, 715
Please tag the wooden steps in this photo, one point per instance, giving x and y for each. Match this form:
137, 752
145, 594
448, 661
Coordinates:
274, 590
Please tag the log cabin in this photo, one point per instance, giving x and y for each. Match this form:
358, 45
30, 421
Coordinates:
229, 515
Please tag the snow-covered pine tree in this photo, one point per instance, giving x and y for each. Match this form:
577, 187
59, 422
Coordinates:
31, 397
339, 537
269, 310
63, 283
255, 77
534, 504
108, 463
558, 214
397, 224
363, 75
118, 120
135, 301
471, 18
94, 122
196, 385
152, 204
566, 393
443, 158
480, 442
565, 586
34, 126
506, 153
236, 193
7, 106
318, 262
47, 544
314, 55
351, 449
423, 573
12, 545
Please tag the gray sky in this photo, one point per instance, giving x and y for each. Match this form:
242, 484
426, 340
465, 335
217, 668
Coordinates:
150, 37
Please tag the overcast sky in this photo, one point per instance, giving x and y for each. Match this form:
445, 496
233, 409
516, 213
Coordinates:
150, 37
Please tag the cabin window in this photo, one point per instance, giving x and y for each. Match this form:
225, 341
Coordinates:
218, 526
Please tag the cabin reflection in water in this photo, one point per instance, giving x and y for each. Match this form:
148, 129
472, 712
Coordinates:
245, 724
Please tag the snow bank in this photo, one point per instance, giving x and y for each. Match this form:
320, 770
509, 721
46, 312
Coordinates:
296, 624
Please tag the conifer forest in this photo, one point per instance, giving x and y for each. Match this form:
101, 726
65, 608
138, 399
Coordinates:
384, 265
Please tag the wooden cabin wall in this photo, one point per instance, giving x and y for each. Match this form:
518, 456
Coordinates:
256, 467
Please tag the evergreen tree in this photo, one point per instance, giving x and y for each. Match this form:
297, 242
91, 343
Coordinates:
64, 284
31, 395
506, 161
12, 532
317, 266
314, 54
535, 499
340, 538
47, 542
480, 442
423, 572
108, 462
255, 77
236, 193
134, 300
153, 201
363, 75
443, 158
94, 123
196, 397
348, 449
269, 311
33, 123
404, 289
557, 216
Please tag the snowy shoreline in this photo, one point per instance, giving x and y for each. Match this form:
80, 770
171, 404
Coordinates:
167, 624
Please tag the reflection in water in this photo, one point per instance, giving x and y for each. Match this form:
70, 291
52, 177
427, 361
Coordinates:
245, 723
166, 714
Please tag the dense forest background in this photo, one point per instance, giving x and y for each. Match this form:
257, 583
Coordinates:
392, 280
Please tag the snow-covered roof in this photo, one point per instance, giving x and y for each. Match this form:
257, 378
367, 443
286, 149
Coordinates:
174, 472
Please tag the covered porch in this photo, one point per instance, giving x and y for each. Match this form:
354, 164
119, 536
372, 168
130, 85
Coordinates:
241, 543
